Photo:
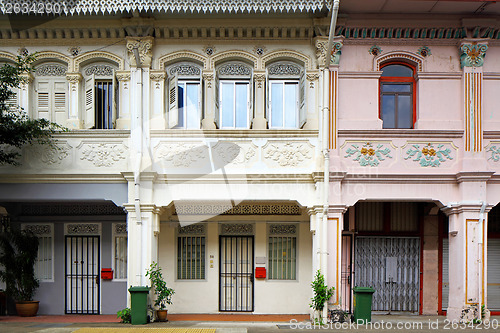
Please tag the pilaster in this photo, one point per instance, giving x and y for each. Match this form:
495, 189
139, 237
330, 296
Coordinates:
333, 241
123, 121
208, 121
260, 121
467, 270
158, 100
74, 121
25, 93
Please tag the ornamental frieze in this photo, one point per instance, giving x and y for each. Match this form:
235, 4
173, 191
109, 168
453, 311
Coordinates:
226, 152
236, 229
120, 228
234, 69
369, 154
429, 154
193, 229
99, 70
288, 154
50, 70
182, 154
184, 70
102, 154
282, 229
493, 152
38, 229
284, 70
50, 155
241, 209
82, 229
144, 46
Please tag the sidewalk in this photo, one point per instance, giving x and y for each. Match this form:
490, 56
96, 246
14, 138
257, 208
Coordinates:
380, 323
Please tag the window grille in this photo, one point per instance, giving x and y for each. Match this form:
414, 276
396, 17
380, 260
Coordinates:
282, 256
191, 257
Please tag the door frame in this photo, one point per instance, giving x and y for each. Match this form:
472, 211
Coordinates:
252, 271
67, 251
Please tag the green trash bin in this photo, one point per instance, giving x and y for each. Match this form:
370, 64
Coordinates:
362, 304
139, 305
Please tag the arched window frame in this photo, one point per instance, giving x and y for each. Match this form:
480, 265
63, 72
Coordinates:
226, 81
100, 94
290, 78
182, 114
399, 79
51, 91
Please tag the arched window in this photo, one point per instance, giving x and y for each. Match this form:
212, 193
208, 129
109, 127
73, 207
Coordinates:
397, 95
286, 91
184, 97
100, 95
233, 107
12, 102
51, 92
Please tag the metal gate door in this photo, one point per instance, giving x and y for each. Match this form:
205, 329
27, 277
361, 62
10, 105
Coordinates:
82, 274
392, 267
236, 273
346, 272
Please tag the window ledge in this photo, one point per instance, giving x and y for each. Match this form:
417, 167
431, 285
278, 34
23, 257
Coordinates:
231, 133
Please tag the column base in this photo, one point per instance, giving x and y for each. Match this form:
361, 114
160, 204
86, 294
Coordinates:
259, 123
123, 123
74, 124
207, 124
465, 314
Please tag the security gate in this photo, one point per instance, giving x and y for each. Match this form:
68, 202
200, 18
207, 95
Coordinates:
391, 266
236, 273
82, 274
346, 272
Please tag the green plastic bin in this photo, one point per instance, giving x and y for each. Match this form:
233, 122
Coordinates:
363, 304
139, 305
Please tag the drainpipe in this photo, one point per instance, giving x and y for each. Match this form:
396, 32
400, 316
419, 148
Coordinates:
138, 162
480, 248
326, 131
326, 154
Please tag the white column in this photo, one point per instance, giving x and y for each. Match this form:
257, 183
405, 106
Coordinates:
334, 247
75, 120
25, 94
208, 121
259, 121
158, 100
123, 121
467, 270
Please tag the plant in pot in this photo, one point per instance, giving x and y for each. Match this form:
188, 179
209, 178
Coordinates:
18, 253
321, 295
162, 292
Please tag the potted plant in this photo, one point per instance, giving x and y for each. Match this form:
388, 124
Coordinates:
321, 295
18, 253
162, 292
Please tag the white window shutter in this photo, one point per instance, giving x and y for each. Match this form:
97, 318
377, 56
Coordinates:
173, 101
90, 102
267, 98
302, 100
12, 102
60, 96
217, 99
250, 103
114, 98
43, 100
199, 110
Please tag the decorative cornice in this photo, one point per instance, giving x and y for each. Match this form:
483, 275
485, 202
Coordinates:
157, 75
476, 176
74, 77
91, 7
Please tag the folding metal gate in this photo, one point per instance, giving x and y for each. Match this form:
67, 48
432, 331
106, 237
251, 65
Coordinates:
82, 274
391, 265
236, 291
346, 272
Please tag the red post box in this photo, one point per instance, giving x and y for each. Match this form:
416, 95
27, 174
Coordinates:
260, 272
106, 274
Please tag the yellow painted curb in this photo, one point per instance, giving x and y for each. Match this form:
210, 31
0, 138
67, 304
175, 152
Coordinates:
143, 329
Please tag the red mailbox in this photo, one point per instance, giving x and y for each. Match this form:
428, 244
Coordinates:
107, 274
260, 272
